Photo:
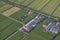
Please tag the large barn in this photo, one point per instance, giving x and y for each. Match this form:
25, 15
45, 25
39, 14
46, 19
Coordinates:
31, 24
52, 27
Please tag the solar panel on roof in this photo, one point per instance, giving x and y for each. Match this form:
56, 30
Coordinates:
32, 22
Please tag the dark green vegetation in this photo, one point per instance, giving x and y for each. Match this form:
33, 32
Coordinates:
7, 26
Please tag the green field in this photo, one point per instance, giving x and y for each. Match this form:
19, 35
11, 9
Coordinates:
18, 36
9, 25
20, 15
57, 12
4, 7
37, 4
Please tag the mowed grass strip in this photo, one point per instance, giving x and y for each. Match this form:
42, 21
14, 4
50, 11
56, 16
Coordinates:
11, 11
18, 36
37, 4
49, 7
9, 30
57, 12
5, 7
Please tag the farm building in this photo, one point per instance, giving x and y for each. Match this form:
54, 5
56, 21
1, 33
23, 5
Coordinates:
31, 24
52, 27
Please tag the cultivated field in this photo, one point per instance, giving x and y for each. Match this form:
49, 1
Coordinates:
23, 16
57, 12
5, 7
11, 11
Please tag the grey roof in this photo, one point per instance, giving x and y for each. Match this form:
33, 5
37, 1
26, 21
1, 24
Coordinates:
51, 25
32, 22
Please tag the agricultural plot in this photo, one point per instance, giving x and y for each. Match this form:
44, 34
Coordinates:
2, 3
2, 17
28, 2
38, 34
11, 11
18, 36
7, 26
50, 7
5, 23
9, 30
32, 3
17, 1
12, 0
38, 4
47, 21
23, 15
42, 6
23, 2
57, 12
5, 7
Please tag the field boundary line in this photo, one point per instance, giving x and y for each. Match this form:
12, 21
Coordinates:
12, 35
44, 4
